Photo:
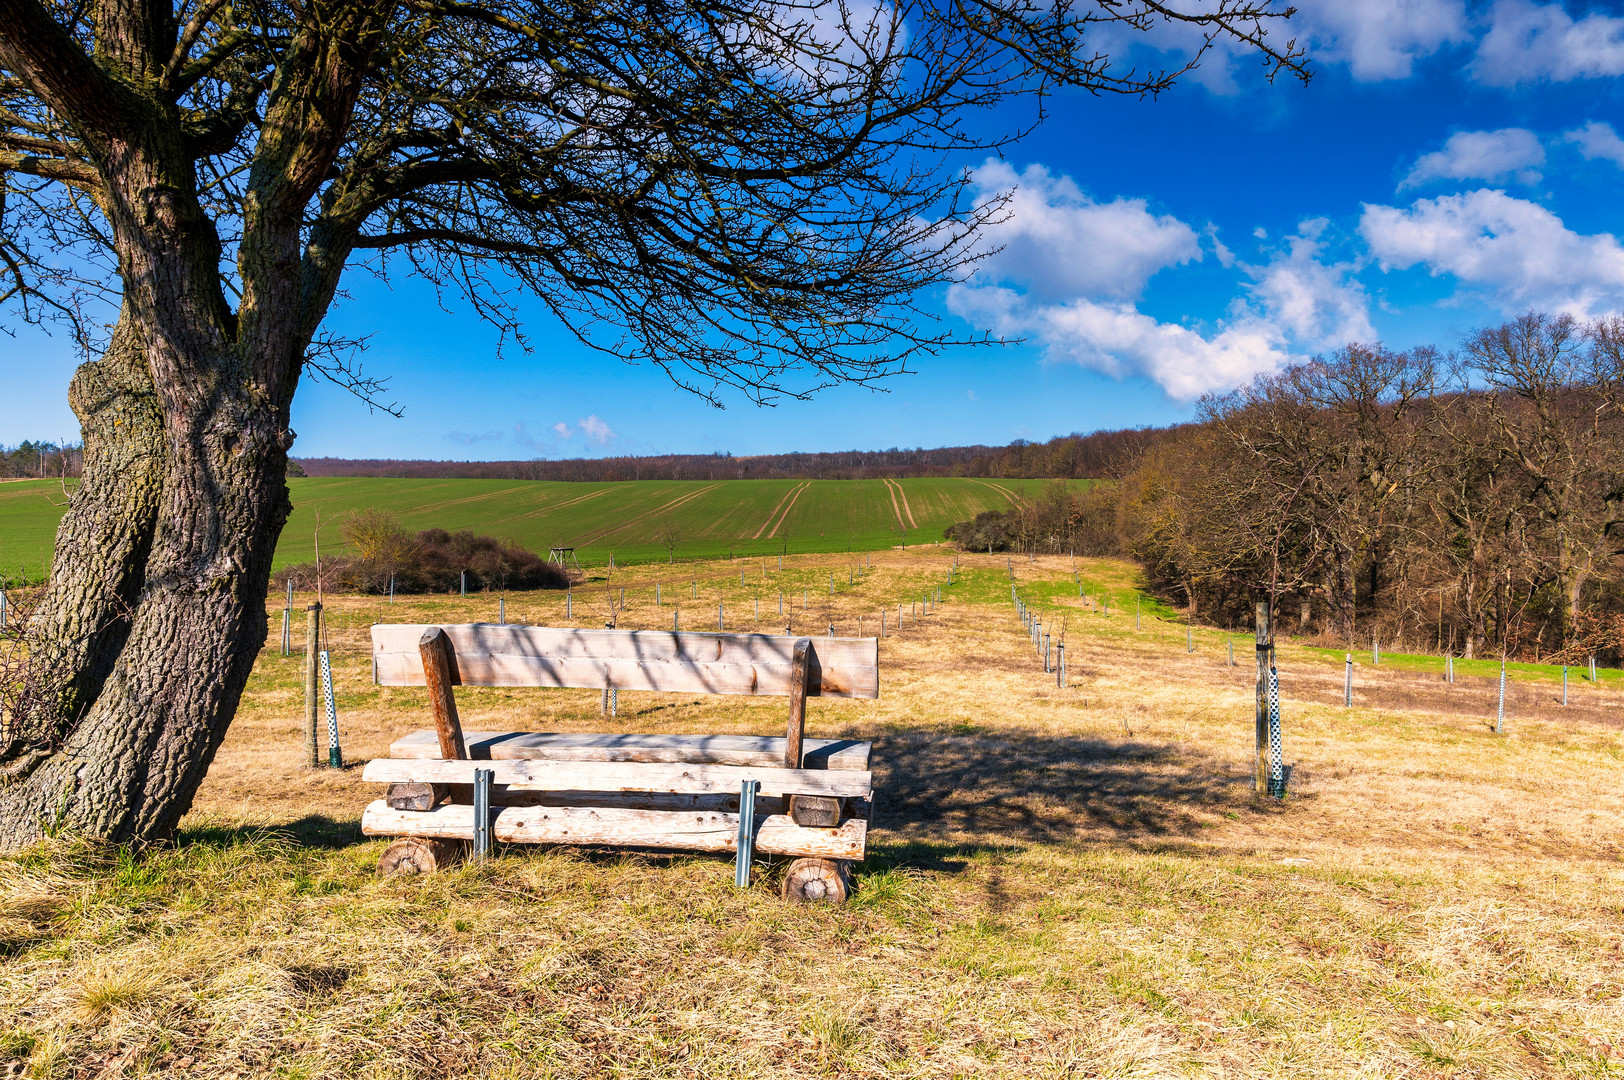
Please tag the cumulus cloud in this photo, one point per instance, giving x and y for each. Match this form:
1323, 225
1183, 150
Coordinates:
1482, 155
1071, 270
1119, 340
595, 430
1321, 305
1380, 39
1598, 140
1529, 42
1375, 39
563, 429
1516, 251
1058, 242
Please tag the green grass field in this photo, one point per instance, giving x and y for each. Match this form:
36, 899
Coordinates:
714, 518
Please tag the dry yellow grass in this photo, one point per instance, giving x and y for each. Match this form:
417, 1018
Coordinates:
1062, 883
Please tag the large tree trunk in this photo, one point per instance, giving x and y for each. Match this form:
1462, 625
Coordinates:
103, 542
129, 768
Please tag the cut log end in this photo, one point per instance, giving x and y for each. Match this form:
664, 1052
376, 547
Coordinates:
420, 855
811, 881
814, 811
408, 796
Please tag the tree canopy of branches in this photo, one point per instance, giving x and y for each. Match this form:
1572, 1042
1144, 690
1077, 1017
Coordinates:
746, 194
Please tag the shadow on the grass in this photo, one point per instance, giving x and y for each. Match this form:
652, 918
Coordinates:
310, 831
1011, 787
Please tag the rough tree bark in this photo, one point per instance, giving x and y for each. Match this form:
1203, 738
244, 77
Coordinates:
105, 537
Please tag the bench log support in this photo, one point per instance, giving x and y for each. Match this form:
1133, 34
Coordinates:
812, 811
440, 672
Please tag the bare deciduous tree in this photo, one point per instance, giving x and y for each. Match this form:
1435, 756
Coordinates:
749, 192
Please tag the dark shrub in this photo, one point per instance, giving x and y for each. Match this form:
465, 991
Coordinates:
377, 550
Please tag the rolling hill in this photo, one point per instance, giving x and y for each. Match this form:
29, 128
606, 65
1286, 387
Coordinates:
625, 518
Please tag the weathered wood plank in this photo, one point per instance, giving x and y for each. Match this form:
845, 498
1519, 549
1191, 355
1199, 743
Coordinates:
501, 795
766, 750
681, 830
508, 655
682, 778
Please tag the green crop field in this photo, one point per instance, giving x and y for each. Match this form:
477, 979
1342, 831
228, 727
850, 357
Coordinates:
712, 518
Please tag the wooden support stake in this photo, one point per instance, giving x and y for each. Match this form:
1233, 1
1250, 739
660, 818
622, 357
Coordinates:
440, 673
312, 688
1260, 771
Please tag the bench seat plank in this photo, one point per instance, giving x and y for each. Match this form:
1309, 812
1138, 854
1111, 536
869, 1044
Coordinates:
681, 778
490, 654
841, 754
686, 830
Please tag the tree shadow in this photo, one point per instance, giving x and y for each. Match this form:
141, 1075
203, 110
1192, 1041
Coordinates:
310, 831
948, 792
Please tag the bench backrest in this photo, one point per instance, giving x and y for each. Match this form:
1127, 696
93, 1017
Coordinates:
489, 654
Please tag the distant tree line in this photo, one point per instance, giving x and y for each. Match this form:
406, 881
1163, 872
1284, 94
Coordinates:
1101, 453
40, 459
1472, 501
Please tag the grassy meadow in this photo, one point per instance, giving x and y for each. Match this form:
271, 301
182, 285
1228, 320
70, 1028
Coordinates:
623, 518
1071, 882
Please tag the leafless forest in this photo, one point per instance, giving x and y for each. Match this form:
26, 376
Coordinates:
1467, 501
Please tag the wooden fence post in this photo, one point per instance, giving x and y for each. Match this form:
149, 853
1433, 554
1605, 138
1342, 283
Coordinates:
312, 690
1347, 682
1260, 773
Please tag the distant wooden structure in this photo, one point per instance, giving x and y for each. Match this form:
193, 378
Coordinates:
810, 798
564, 557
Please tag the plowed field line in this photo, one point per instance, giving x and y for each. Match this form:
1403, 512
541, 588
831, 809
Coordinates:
550, 507
672, 505
906, 509
1004, 491
895, 509
777, 508
804, 485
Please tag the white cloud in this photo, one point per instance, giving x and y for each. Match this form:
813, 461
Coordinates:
1321, 305
595, 430
1516, 250
1482, 155
1380, 39
1598, 140
1376, 39
1529, 42
1071, 269
563, 429
1118, 340
1058, 242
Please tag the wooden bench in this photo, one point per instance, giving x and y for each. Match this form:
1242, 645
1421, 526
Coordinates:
809, 798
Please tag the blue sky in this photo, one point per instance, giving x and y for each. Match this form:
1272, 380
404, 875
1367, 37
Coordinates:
1449, 165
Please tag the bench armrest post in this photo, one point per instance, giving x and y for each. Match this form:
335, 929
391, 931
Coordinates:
803, 659
439, 673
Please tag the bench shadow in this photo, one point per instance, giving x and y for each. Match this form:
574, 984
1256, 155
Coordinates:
310, 831
944, 794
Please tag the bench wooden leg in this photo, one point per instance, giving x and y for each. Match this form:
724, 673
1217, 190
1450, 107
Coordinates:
818, 881
420, 855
